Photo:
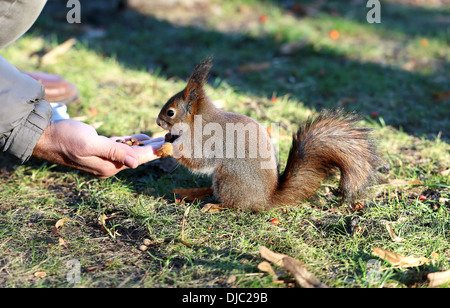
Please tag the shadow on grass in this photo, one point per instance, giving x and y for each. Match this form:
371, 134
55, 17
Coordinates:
403, 16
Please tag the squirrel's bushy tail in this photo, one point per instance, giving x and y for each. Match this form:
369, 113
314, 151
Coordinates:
328, 142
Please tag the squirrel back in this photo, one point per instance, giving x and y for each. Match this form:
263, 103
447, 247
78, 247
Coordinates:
323, 144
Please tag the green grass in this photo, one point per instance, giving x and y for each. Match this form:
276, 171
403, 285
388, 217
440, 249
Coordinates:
146, 57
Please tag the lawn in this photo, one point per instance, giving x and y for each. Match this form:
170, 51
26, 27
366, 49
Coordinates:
276, 61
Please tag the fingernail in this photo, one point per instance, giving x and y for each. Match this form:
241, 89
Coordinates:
130, 161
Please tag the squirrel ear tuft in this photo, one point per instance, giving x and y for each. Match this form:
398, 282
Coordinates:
194, 88
201, 70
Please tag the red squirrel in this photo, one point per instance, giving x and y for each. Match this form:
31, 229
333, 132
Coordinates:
241, 159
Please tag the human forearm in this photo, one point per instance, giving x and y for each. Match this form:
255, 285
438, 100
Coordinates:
25, 113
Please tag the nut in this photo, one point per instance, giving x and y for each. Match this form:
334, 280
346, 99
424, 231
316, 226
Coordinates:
132, 142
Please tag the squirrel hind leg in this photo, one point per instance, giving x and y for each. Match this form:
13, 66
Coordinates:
193, 194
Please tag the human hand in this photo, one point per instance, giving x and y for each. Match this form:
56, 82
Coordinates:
77, 145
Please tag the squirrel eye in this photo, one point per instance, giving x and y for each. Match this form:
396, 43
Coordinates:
170, 112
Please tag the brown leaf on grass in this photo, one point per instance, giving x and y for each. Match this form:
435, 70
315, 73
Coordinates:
410, 65
398, 182
265, 266
231, 279
346, 100
392, 234
100, 266
101, 220
63, 242
438, 278
290, 48
59, 224
304, 278
212, 208
40, 274
445, 172
399, 261
434, 255
51, 56
183, 223
424, 42
254, 67
274, 257
440, 96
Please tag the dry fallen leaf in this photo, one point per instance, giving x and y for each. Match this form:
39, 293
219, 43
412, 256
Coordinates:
59, 224
231, 279
304, 278
391, 232
265, 266
292, 47
40, 274
100, 266
101, 220
294, 266
254, 67
440, 96
183, 223
445, 172
51, 56
269, 255
346, 100
398, 182
438, 278
410, 65
399, 261
212, 208
63, 242
424, 42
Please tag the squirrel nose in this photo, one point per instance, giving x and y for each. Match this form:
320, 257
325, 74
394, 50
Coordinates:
158, 122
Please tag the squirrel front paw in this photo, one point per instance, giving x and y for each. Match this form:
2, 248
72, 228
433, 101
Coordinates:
165, 150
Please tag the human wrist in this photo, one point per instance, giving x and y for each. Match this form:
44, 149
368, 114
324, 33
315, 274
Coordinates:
23, 138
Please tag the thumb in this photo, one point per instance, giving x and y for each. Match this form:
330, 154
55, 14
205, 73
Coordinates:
119, 153
147, 152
